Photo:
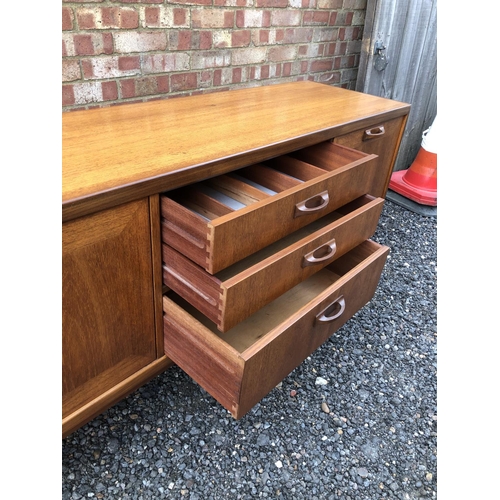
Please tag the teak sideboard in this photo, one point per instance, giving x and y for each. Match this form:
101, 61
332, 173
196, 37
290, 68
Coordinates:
228, 233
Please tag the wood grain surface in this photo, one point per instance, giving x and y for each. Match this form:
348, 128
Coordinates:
116, 154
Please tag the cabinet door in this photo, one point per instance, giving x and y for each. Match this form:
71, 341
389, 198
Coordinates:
382, 139
108, 324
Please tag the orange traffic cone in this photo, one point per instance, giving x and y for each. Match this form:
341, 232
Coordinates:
419, 182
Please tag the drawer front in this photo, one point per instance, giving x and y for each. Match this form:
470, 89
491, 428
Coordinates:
218, 222
383, 140
230, 296
240, 367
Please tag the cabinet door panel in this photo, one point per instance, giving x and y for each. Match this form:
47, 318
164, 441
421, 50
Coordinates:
108, 314
382, 140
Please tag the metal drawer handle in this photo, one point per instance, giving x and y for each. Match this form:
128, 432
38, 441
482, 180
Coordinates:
312, 205
373, 133
332, 312
322, 253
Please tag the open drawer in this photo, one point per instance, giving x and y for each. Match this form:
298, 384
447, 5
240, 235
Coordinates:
233, 294
218, 222
240, 367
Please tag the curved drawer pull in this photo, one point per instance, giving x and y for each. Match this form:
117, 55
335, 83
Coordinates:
312, 205
320, 254
332, 312
373, 133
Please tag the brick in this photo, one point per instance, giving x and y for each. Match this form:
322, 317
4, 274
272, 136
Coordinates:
210, 59
321, 65
233, 3
128, 63
127, 88
141, 1
325, 34
222, 38
217, 78
353, 47
298, 35
316, 17
355, 4
87, 44
349, 75
151, 17
205, 79
222, 77
146, 86
87, 69
336, 48
86, 93
265, 71
86, 19
268, 36
126, 42
107, 44
184, 81
252, 55
68, 97
165, 63
330, 4
240, 38
346, 62
179, 40
264, 36
164, 17
340, 19
284, 53
192, 2
312, 50
270, 4
236, 75
358, 18
70, 70
212, 18
181, 17
67, 19
116, 17
83, 45
253, 19
109, 91
349, 33
189, 40
109, 67
286, 17
331, 78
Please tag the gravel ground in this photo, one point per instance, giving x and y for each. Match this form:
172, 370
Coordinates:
357, 420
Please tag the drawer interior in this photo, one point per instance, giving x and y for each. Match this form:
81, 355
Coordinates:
219, 196
262, 323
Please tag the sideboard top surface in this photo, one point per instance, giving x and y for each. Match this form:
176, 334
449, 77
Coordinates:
116, 154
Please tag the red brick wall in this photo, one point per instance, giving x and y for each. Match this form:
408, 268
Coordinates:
117, 51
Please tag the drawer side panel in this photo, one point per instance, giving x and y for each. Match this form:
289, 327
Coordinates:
190, 281
215, 366
184, 230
